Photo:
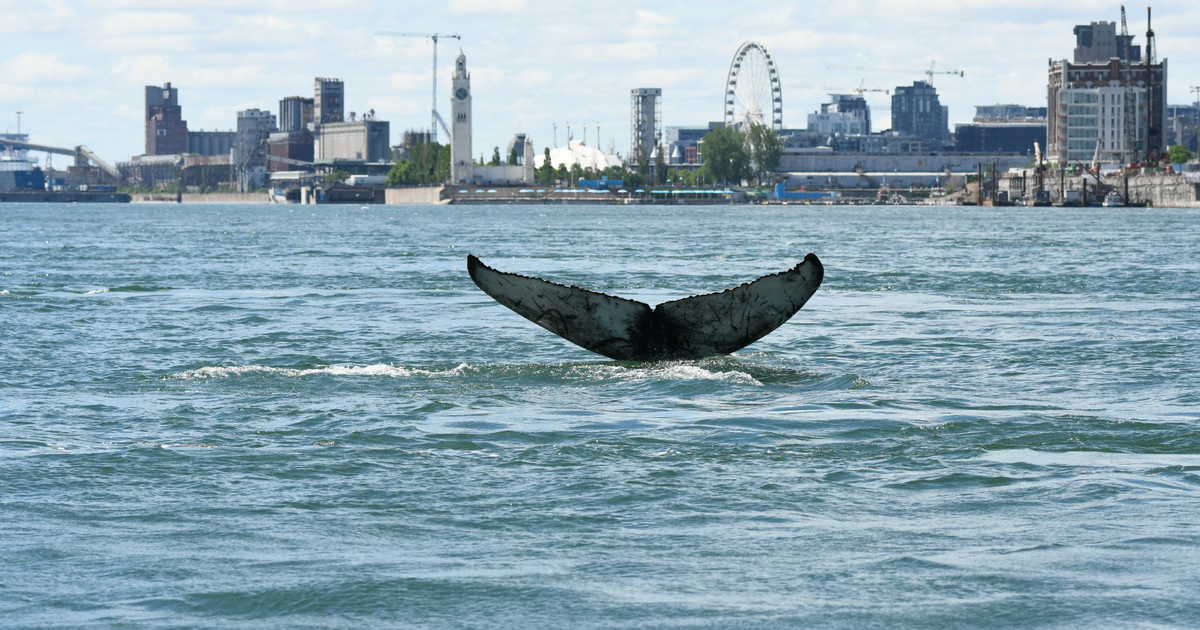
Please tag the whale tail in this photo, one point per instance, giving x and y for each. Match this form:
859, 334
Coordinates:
623, 329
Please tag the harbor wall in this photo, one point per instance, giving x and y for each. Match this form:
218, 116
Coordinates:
881, 164
212, 197
414, 195
225, 197
1164, 191
1161, 190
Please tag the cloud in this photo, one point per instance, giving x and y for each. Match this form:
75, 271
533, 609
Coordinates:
152, 22
40, 68
487, 6
144, 69
649, 24
410, 81
614, 52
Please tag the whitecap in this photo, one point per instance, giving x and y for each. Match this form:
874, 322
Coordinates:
672, 372
1090, 459
97, 291
377, 369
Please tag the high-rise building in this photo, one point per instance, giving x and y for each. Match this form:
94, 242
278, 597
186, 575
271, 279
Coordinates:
845, 114
295, 112
366, 140
329, 98
645, 125
1098, 42
917, 112
1004, 113
249, 155
1110, 103
166, 131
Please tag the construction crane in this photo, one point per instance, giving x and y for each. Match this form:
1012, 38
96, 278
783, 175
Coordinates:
930, 72
859, 90
436, 117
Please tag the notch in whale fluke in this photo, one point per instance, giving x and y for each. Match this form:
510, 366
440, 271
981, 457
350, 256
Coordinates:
628, 330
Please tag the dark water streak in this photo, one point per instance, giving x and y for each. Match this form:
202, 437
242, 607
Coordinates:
287, 417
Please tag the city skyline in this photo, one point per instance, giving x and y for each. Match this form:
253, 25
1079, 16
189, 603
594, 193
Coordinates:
77, 70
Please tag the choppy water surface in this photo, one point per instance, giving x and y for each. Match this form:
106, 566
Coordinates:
254, 416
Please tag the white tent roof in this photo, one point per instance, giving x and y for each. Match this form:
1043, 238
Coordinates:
579, 153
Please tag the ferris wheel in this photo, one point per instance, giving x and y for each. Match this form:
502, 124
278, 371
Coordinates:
753, 94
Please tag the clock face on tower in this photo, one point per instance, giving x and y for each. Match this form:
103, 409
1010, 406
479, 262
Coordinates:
461, 93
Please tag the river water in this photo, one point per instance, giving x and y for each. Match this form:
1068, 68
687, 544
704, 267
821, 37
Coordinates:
289, 417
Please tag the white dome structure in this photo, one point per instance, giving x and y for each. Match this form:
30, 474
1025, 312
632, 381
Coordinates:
579, 153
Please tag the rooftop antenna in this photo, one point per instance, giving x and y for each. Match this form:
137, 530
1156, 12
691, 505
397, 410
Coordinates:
1151, 152
1150, 52
436, 118
19, 121
555, 125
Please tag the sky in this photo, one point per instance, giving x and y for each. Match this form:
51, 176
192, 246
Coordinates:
77, 69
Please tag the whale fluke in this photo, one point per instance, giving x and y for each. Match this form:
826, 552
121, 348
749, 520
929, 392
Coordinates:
628, 330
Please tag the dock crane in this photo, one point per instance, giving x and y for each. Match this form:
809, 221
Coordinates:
82, 154
433, 37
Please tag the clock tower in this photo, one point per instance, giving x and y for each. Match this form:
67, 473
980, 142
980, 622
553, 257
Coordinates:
461, 168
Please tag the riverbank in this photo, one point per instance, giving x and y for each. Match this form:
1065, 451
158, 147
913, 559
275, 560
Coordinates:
213, 197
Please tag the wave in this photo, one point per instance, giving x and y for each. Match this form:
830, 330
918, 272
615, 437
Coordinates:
588, 372
670, 372
125, 288
377, 369
1092, 459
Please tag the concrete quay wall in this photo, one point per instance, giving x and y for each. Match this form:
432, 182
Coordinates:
880, 164
213, 197
1163, 191
1159, 190
415, 195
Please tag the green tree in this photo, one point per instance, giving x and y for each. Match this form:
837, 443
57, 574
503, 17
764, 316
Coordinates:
400, 173
1179, 154
495, 157
724, 154
766, 150
427, 165
336, 177
512, 155
545, 173
660, 165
